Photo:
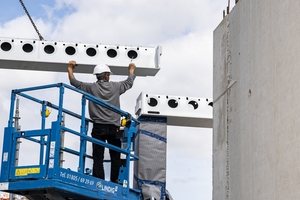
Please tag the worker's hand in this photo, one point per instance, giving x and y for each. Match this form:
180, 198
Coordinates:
72, 64
131, 68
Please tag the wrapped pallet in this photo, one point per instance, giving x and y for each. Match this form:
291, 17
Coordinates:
150, 169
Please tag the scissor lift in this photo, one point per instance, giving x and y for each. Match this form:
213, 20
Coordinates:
48, 180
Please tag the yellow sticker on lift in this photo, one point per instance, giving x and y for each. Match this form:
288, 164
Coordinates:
26, 171
33, 170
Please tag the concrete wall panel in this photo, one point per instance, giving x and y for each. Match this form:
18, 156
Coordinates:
220, 148
256, 64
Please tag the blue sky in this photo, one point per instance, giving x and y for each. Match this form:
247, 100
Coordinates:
184, 29
13, 9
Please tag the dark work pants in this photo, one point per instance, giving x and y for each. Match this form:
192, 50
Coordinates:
106, 133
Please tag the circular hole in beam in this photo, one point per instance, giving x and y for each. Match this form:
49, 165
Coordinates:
27, 48
49, 49
152, 102
70, 50
111, 53
173, 103
132, 54
6, 46
194, 104
91, 52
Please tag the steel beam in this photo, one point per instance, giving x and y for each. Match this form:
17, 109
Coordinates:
29, 54
179, 110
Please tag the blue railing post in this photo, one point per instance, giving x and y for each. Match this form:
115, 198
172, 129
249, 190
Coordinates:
43, 115
82, 140
60, 104
7, 157
12, 108
42, 138
129, 133
53, 149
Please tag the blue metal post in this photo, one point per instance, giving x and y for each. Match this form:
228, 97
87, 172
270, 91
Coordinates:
12, 107
60, 105
6, 154
82, 140
43, 115
53, 149
42, 138
129, 132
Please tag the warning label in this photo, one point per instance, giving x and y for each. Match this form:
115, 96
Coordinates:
26, 171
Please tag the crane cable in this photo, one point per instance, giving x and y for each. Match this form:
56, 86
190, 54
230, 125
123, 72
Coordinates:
32, 22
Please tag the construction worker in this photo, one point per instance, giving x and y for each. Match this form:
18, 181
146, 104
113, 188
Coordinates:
105, 122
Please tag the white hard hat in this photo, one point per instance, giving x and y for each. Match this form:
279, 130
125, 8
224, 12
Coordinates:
101, 68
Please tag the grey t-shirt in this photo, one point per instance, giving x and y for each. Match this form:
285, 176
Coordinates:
107, 91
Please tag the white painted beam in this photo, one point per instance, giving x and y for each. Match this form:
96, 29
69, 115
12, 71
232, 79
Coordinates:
29, 54
179, 110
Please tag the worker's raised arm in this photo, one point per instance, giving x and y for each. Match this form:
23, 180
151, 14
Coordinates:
71, 66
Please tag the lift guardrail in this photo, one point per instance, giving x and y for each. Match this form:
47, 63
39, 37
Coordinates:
48, 179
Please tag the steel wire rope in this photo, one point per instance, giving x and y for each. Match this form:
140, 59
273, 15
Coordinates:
32, 22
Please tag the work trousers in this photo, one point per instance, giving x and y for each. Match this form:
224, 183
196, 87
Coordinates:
106, 133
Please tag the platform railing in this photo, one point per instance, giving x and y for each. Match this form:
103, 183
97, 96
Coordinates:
49, 138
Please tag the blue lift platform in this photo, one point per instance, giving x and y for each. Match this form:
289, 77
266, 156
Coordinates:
48, 180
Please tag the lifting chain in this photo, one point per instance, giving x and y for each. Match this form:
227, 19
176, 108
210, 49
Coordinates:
32, 22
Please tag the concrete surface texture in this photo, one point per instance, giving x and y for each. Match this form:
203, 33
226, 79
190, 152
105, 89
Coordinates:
256, 130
